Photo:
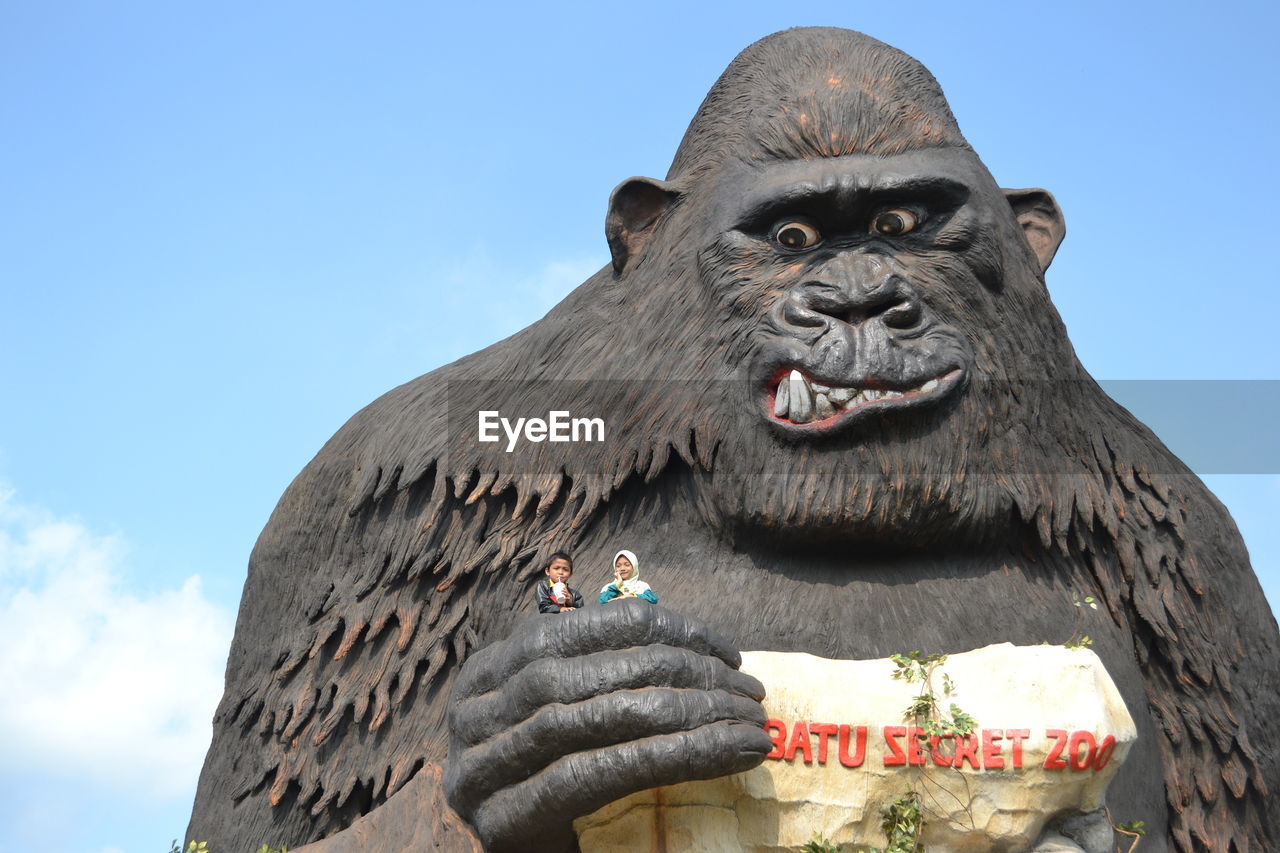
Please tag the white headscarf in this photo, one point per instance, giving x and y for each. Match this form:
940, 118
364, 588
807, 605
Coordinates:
632, 585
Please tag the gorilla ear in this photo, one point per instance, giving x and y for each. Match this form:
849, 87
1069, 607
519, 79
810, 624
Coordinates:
635, 208
1041, 221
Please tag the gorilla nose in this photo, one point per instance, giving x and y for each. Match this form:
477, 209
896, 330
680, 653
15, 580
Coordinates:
854, 299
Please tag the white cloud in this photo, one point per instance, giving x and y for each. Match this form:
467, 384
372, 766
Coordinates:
98, 681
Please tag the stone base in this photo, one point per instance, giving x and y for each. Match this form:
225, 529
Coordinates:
1052, 731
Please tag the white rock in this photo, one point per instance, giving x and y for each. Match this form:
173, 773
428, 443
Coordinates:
1039, 690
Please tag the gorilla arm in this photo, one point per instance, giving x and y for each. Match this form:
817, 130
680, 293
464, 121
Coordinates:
378, 573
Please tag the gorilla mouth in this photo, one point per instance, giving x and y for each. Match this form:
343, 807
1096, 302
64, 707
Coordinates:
798, 401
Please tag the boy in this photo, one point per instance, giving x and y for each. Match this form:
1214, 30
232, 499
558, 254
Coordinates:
554, 594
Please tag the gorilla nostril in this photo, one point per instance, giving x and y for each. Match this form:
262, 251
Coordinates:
799, 314
901, 315
825, 298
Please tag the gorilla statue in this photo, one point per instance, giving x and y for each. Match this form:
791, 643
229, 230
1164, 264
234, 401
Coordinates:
843, 418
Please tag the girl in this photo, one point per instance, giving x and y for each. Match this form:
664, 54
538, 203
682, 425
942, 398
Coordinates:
626, 580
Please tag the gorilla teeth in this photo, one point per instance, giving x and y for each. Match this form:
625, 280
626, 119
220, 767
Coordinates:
840, 396
800, 398
780, 403
802, 401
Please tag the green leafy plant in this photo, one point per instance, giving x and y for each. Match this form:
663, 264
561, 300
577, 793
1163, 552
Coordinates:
903, 824
203, 847
1078, 640
192, 847
903, 821
1134, 829
918, 668
819, 844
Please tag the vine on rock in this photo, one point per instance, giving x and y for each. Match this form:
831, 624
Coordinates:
903, 820
924, 710
1078, 640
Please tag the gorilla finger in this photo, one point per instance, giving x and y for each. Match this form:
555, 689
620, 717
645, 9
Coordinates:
618, 625
568, 680
633, 622
601, 721
488, 666
580, 783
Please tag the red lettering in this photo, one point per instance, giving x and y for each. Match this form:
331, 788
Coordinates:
799, 739
1016, 736
778, 734
860, 750
1105, 750
823, 731
1078, 761
1054, 761
939, 757
991, 759
967, 748
898, 758
914, 737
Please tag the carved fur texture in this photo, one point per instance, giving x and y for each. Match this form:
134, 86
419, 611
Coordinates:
406, 544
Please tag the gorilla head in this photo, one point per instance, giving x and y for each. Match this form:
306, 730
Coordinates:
835, 386
875, 294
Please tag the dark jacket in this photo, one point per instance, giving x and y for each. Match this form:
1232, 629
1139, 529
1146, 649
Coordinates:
547, 604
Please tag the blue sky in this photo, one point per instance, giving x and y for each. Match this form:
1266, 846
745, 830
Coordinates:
225, 227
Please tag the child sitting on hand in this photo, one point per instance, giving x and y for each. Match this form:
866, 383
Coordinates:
554, 594
626, 581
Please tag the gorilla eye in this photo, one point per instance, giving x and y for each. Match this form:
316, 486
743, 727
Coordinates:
894, 222
796, 235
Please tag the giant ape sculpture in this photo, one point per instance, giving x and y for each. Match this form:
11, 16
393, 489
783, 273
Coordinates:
844, 419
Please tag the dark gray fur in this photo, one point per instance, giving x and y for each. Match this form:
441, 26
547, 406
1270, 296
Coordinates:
404, 547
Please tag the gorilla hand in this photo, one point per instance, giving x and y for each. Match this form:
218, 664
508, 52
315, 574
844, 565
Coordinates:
575, 711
